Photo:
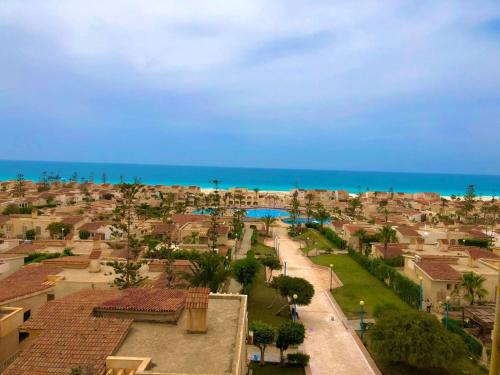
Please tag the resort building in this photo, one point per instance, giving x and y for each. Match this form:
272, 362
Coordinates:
132, 331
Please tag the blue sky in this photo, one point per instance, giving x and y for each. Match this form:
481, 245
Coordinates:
359, 85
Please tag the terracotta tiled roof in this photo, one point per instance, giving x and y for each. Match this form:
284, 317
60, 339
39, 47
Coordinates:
81, 260
393, 250
72, 220
92, 227
138, 299
197, 298
182, 219
80, 342
74, 306
439, 271
27, 280
26, 248
408, 232
4, 219
164, 228
95, 254
477, 253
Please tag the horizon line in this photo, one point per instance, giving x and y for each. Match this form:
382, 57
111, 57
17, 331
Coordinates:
247, 167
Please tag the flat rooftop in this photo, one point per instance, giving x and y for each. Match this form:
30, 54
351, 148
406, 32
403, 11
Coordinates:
173, 350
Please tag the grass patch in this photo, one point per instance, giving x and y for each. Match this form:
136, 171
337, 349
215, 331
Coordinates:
262, 250
359, 285
316, 241
260, 297
275, 369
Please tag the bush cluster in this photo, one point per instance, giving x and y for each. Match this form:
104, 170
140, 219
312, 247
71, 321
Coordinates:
472, 344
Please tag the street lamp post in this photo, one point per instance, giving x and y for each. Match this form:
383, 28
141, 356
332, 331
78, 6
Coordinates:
361, 315
295, 307
421, 292
447, 311
331, 277
62, 233
284, 268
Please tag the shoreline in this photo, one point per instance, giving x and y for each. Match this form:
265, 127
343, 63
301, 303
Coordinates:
283, 192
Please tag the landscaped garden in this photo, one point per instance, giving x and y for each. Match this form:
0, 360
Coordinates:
359, 285
264, 302
311, 239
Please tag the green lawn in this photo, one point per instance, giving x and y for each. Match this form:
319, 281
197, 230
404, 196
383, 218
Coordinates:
316, 240
275, 369
359, 285
260, 249
259, 299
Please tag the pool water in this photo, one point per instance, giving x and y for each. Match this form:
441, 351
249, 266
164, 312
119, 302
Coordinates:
207, 211
304, 220
257, 213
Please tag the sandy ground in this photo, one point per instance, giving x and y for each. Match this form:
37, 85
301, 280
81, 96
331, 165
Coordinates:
331, 346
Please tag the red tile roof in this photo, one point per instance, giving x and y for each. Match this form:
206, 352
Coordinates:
197, 298
70, 337
27, 280
26, 248
408, 232
477, 253
139, 299
393, 250
439, 271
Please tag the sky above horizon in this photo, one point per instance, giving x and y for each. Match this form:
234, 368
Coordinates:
360, 85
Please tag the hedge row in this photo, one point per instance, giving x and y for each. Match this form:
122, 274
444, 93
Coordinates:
329, 235
472, 344
406, 289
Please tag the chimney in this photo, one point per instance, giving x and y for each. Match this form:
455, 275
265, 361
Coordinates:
96, 242
197, 310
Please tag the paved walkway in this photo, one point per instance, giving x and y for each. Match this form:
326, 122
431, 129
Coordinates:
246, 243
332, 347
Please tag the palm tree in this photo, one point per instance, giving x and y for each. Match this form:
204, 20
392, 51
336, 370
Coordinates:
208, 271
387, 235
472, 285
268, 220
321, 214
361, 234
309, 210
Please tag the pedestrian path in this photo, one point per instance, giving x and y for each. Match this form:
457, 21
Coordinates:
329, 342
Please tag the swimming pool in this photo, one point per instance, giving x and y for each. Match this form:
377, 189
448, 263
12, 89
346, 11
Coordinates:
206, 211
257, 213
304, 220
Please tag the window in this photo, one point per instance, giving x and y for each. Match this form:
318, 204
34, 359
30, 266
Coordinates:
26, 315
448, 286
38, 231
51, 297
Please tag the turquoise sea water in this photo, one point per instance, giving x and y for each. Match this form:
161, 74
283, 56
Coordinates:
264, 179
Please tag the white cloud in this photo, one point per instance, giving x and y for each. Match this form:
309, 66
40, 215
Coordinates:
259, 55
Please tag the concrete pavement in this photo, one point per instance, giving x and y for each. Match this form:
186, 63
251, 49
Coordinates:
329, 342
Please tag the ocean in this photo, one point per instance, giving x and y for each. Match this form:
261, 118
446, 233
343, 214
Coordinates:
264, 179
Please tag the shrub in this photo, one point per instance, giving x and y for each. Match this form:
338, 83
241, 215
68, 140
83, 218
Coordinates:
245, 270
414, 338
395, 262
472, 344
67, 252
479, 242
84, 234
289, 333
38, 257
255, 237
299, 359
30, 234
